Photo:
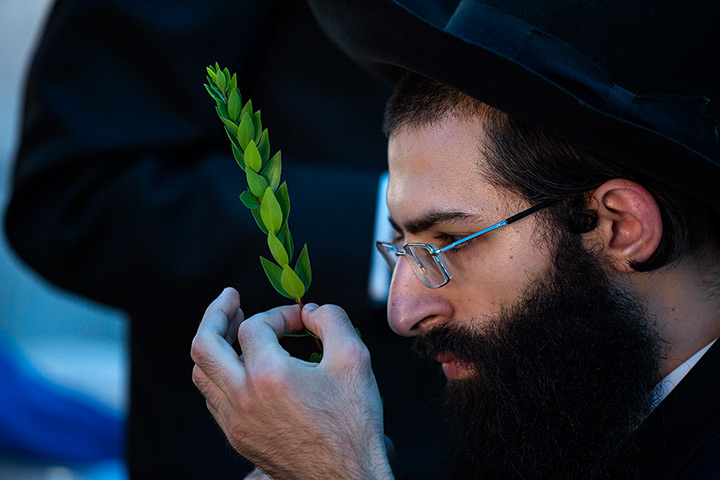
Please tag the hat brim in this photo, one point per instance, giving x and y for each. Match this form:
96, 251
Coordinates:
388, 39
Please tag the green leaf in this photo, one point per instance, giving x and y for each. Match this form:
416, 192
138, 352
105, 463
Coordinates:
257, 124
287, 240
221, 110
291, 283
272, 171
231, 125
284, 200
251, 148
274, 274
219, 94
315, 357
239, 158
247, 109
252, 157
249, 200
264, 147
256, 215
213, 93
271, 212
302, 268
233, 139
221, 82
234, 105
357, 330
245, 130
277, 250
256, 182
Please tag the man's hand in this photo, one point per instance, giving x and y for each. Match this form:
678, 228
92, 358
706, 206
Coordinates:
292, 418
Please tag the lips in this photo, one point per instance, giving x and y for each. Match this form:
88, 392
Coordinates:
453, 368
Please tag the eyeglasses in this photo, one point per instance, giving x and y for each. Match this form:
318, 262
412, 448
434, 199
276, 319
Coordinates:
427, 261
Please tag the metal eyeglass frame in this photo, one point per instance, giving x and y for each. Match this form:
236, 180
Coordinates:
388, 248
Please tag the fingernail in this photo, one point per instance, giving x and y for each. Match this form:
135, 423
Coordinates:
311, 306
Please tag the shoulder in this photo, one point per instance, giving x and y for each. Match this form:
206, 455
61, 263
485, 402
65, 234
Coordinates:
705, 463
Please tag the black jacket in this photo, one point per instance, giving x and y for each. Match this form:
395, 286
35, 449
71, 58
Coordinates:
685, 428
125, 192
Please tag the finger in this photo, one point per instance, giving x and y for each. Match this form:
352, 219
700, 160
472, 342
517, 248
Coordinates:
259, 334
341, 343
220, 312
214, 396
210, 350
231, 334
222, 407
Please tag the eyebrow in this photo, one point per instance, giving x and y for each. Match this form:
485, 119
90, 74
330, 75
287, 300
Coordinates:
431, 219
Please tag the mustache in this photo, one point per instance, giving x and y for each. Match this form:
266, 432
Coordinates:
454, 339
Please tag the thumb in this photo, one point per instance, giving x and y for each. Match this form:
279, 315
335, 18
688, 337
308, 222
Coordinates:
341, 343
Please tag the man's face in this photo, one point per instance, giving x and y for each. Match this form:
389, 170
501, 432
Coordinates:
551, 365
435, 195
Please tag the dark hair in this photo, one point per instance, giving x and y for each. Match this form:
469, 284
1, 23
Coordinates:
539, 166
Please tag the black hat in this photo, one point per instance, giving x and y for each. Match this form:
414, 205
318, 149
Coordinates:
635, 81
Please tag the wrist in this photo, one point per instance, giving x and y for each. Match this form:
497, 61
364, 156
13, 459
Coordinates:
381, 471
379, 462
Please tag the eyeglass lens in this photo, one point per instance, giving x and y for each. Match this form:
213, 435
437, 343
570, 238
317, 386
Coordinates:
425, 265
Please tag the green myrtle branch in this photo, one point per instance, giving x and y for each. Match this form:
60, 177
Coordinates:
265, 196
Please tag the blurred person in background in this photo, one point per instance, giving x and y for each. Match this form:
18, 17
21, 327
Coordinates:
125, 191
41, 421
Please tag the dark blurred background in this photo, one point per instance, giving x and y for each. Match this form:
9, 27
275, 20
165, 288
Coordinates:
125, 192
56, 347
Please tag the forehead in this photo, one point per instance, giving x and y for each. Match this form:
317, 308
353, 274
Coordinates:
438, 166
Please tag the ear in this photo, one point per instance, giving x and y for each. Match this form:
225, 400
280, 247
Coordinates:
629, 222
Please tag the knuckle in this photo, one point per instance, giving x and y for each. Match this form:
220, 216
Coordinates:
332, 315
355, 353
246, 329
198, 377
334, 311
268, 379
198, 348
196, 374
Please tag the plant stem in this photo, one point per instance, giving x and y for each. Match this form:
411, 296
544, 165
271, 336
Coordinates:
318, 343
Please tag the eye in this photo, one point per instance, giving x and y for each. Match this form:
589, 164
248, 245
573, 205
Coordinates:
398, 239
447, 239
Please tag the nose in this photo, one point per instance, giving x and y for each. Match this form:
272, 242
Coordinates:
414, 308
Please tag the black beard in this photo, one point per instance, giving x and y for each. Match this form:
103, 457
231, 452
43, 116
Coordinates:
560, 380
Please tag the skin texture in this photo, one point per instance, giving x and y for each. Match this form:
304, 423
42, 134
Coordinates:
683, 305
299, 420
332, 409
434, 169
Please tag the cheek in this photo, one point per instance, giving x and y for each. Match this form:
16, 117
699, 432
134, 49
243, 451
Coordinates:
486, 283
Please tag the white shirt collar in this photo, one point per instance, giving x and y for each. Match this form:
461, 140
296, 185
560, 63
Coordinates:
672, 379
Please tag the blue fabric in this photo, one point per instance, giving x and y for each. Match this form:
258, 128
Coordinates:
40, 420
